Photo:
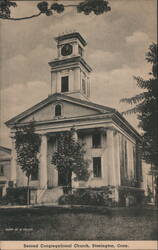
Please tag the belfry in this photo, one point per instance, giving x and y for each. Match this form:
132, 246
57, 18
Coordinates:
70, 72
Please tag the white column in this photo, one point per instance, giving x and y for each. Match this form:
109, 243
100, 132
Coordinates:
13, 162
117, 159
71, 80
88, 87
75, 49
43, 162
74, 134
110, 157
58, 82
77, 80
53, 82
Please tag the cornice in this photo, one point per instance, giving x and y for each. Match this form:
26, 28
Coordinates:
70, 36
70, 119
69, 62
125, 125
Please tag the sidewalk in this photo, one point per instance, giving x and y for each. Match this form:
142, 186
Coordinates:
55, 205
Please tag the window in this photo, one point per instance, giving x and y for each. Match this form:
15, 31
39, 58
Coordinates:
64, 84
1, 170
58, 110
96, 140
97, 166
84, 86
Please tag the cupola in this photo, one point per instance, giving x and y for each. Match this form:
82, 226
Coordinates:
69, 71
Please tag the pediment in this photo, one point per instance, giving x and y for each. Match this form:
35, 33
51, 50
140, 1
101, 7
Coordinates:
71, 108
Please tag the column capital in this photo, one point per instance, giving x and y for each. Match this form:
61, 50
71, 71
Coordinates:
12, 136
74, 133
112, 129
43, 135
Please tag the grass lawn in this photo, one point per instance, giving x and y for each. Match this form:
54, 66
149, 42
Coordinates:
48, 223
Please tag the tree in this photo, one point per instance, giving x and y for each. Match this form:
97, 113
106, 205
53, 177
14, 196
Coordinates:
87, 6
27, 144
146, 108
69, 157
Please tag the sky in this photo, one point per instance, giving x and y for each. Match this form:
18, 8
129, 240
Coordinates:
117, 43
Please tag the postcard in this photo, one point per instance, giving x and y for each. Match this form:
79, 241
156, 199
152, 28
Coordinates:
78, 151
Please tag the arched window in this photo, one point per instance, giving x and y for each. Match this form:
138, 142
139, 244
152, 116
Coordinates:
58, 110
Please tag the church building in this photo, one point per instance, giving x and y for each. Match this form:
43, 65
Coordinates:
112, 144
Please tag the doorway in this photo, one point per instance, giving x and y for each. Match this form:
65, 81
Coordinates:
1, 192
64, 179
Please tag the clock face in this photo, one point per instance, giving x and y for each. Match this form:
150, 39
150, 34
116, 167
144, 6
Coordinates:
66, 49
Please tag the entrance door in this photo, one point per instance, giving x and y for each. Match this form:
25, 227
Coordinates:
0, 193
62, 180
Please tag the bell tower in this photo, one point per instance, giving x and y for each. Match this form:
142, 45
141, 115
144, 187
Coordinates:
69, 71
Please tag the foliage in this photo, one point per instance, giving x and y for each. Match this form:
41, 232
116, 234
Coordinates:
27, 144
146, 107
89, 196
134, 195
87, 6
16, 195
149, 195
5, 8
98, 7
69, 157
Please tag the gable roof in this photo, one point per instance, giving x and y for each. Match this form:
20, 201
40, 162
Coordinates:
56, 97
104, 110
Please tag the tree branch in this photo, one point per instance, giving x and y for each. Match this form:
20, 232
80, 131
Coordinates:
21, 18
71, 5
86, 7
29, 17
